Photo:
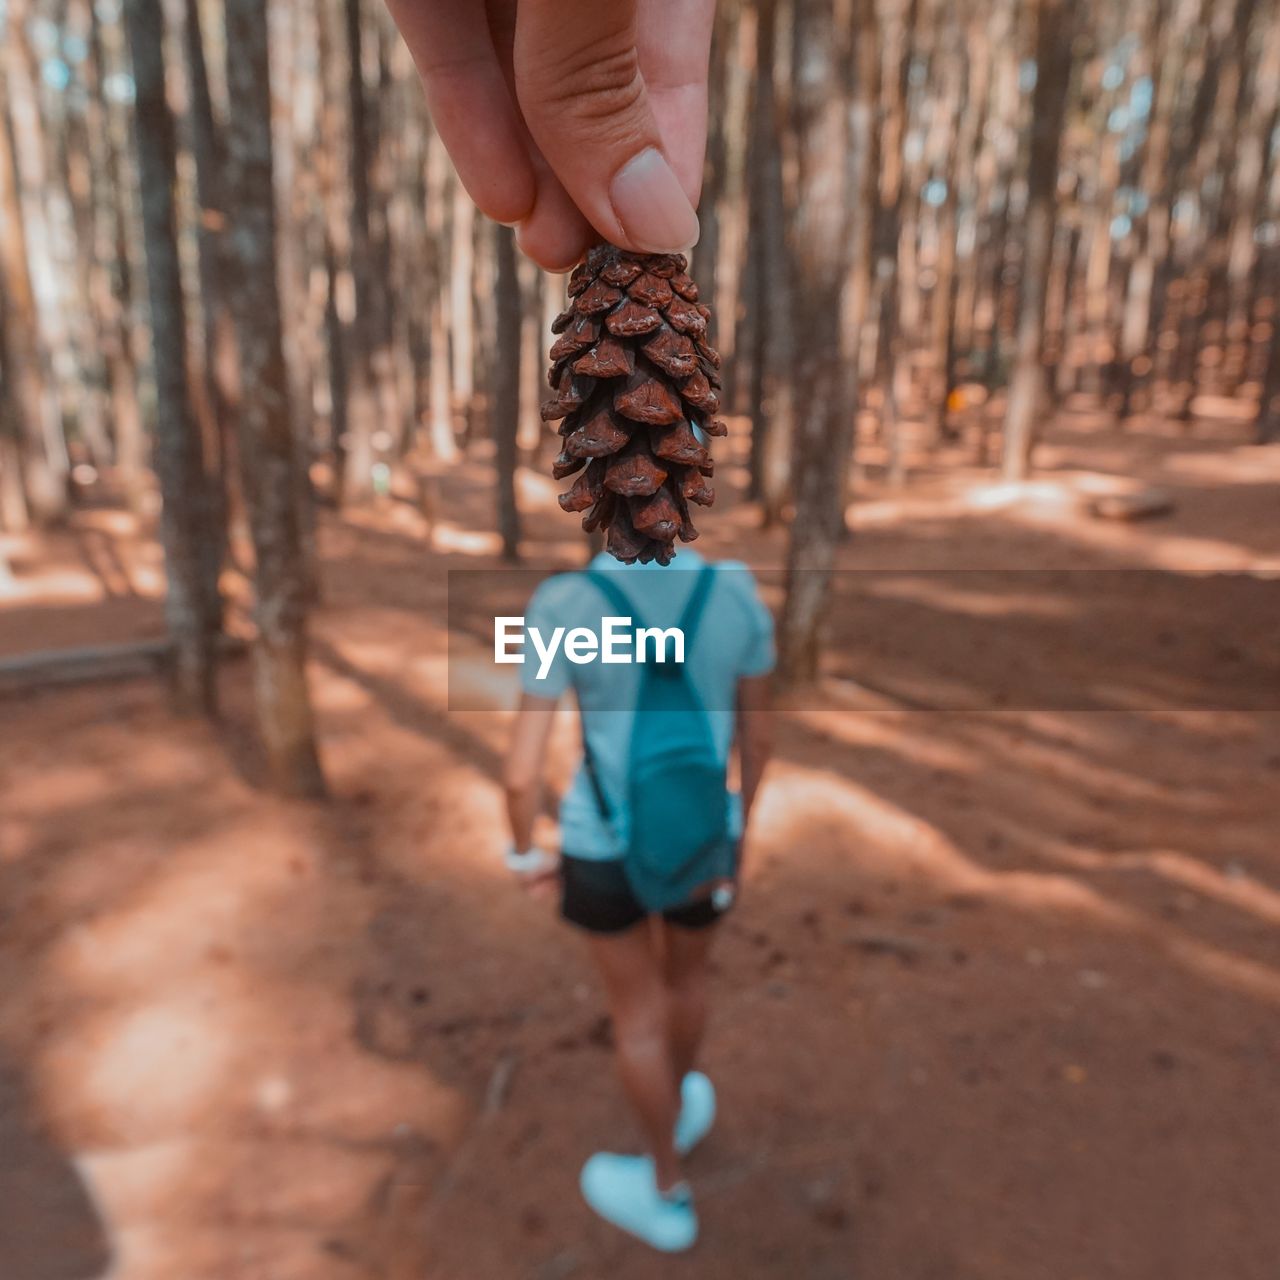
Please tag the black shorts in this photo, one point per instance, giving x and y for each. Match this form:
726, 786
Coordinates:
596, 896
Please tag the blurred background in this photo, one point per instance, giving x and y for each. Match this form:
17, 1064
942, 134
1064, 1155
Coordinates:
995, 287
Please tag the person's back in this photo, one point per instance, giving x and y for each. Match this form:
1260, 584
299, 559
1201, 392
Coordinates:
733, 640
653, 962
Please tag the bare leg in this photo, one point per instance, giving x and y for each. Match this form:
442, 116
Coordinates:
685, 956
630, 966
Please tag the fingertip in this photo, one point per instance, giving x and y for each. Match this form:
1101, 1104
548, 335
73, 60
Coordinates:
651, 205
550, 249
555, 234
509, 198
507, 208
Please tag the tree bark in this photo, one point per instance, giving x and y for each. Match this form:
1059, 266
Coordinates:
705, 258
825, 230
81, 180
443, 442
532, 287
43, 236
267, 443
15, 517
31, 404
970, 89
219, 371
191, 602
506, 389
462, 310
774, 415
1267, 423
1028, 391
1192, 150
112, 288
335, 237
375, 400
889, 244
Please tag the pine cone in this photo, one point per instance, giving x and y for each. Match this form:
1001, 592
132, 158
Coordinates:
636, 385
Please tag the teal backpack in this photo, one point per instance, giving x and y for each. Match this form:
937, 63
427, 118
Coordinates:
674, 820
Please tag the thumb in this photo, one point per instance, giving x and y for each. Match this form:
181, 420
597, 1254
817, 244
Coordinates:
578, 81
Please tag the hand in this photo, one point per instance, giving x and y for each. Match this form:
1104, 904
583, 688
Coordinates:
571, 119
544, 886
724, 893
536, 871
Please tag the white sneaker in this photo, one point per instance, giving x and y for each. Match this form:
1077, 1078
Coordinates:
622, 1190
697, 1111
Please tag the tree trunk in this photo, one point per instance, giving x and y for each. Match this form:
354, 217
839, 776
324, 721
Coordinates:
1196, 146
1268, 424
775, 415
825, 231
889, 245
862, 176
462, 309
191, 603
41, 233
532, 288
1133, 361
81, 177
220, 374
732, 276
267, 443
443, 441
705, 257
999, 174
970, 91
14, 514
1027, 391
31, 402
1232, 193
744, 316
353, 474
112, 288
370, 367
335, 239
506, 389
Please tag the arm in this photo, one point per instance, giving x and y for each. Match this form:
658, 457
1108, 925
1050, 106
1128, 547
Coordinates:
754, 736
522, 774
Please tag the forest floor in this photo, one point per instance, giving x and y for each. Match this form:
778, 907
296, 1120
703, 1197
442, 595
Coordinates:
1001, 1002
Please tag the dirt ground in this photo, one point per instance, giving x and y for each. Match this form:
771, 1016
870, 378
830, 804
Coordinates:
1001, 1002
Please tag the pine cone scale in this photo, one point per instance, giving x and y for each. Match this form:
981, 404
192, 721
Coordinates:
632, 318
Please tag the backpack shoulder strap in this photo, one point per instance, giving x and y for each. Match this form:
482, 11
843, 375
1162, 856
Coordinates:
603, 581
697, 600
617, 598
593, 778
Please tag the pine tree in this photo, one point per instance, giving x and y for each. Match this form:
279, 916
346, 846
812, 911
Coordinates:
267, 443
1055, 26
636, 385
192, 606
505, 419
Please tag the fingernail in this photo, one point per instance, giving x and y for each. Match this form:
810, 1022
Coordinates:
652, 206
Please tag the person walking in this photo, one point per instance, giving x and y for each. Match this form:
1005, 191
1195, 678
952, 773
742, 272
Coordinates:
651, 835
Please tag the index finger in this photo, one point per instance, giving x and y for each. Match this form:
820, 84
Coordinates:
469, 101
